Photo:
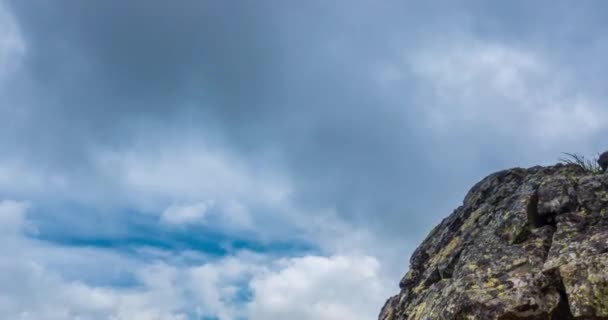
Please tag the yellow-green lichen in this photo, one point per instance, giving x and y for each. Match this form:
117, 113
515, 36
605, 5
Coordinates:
445, 252
419, 310
470, 222
490, 283
419, 288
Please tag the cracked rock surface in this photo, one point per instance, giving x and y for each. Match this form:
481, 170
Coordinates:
525, 244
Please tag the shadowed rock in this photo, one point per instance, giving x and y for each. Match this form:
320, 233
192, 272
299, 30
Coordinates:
603, 161
525, 244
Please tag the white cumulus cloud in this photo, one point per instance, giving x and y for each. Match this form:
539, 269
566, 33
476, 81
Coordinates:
317, 287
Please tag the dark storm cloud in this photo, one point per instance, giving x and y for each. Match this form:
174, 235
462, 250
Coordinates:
95, 66
148, 50
296, 77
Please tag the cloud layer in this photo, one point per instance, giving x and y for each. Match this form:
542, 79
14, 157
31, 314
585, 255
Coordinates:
243, 285
257, 160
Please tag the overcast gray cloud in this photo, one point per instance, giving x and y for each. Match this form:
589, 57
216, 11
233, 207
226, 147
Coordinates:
352, 127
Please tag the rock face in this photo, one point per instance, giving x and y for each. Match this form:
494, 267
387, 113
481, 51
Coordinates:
525, 244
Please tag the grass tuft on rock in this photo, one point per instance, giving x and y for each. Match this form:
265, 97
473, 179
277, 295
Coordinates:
589, 165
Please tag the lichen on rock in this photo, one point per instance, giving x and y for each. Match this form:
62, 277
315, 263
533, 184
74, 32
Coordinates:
525, 244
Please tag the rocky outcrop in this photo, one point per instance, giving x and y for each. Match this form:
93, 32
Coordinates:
525, 244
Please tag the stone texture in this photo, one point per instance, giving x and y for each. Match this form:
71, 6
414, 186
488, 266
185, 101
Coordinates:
525, 244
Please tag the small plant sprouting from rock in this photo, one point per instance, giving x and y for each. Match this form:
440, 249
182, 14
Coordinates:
589, 165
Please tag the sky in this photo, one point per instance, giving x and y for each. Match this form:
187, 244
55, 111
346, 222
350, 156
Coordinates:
234, 160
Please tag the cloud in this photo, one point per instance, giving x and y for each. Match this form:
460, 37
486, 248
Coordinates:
31, 290
222, 288
12, 44
301, 121
492, 86
250, 285
262, 91
36, 293
295, 100
182, 171
313, 287
182, 214
20, 179
12, 218
190, 181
